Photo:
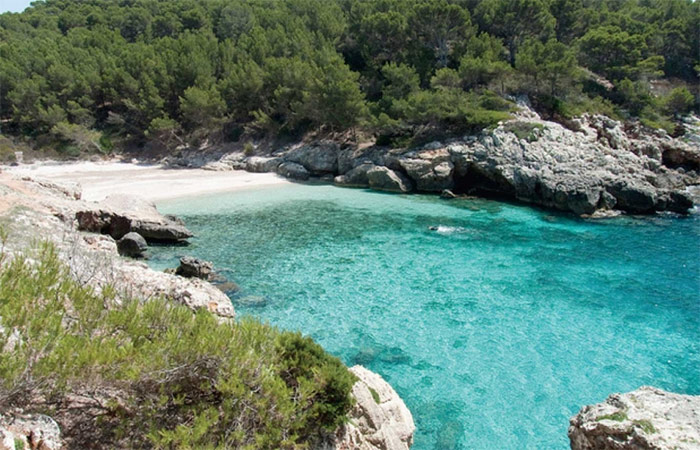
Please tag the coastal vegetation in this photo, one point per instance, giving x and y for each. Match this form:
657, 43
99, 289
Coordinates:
135, 374
104, 75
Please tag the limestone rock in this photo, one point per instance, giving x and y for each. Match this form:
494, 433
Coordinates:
72, 191
647, 418
318, 158
132, 245
194, 268
37, 432
379, 419
261, 164
600, 167
385, 179
356, 177
120, 214
293, 170
430, 169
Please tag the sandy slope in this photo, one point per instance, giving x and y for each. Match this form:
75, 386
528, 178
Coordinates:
153, 182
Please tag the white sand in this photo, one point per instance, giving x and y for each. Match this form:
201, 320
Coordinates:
149, 181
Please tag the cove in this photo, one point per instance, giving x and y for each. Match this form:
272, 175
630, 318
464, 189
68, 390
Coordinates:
495, 328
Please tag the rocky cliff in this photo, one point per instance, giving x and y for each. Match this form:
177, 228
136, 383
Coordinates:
645, 419
603, 167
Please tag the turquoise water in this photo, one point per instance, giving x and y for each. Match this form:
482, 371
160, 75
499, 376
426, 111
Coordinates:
495, 329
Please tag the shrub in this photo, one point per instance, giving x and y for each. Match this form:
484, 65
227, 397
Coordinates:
154, 374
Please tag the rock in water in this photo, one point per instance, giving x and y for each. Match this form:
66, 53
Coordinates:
385, 179
132, 245
379, 419
194, 268
647, 418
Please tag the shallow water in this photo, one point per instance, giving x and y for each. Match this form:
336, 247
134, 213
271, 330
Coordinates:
495, 328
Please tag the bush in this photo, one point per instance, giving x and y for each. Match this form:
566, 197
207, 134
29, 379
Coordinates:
153, 374
679, 101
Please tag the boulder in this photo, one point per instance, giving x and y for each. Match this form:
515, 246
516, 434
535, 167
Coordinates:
645, 419
356, 177
318, 158
384, 179
194, 268
132, 245
430, 169
379, 420
293, 170
260, 164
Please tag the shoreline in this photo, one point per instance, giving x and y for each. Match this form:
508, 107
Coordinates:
153, 182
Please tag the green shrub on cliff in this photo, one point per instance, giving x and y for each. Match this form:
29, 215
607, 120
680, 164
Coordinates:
153, 374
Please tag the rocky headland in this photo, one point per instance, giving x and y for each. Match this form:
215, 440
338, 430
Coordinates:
596, 166
87, 235
645, 419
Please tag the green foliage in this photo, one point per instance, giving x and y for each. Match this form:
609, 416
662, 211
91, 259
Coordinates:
528, 131
645, 425
156, 374
169, 71
679, 101
375, 396
619, 416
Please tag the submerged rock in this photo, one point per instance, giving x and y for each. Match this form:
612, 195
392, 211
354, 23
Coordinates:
647, 418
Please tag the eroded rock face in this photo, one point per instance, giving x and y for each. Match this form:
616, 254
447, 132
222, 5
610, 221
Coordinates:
356, 177
318, 158
379, 420
430, 169
598, 168
647, 418
384, 179
37, 432
120, 214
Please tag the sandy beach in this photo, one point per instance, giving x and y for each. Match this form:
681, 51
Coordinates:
154, 182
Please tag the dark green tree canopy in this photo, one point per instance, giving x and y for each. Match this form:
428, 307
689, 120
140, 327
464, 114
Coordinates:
128, 70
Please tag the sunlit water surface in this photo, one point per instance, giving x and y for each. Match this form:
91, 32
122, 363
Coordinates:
495, 329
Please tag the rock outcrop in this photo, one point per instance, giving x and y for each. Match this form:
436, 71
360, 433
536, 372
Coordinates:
384, 179
598, 168
93, 259
379, 420
604, 167
645, 419
36, 432
120, 214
